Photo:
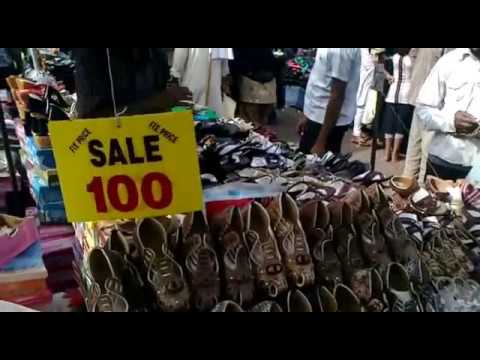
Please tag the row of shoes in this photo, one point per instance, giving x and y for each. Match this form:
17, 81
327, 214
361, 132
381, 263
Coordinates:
41, 104
369, 293
192, 264
395, 294
259, 253
442, 218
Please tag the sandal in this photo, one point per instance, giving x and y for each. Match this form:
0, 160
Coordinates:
404, 185
370, 177
424, 204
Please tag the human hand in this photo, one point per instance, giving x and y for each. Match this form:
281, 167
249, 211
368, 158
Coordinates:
390, 79
465, 123
302, 124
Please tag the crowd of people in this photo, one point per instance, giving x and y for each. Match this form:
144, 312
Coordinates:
430, 104
429, 108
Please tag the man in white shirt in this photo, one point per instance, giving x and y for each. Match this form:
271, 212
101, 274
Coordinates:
449, 105
330, 100
424, 60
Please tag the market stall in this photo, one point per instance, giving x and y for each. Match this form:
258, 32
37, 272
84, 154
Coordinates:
185, 212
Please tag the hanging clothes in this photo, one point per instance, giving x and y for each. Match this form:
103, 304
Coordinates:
201, 70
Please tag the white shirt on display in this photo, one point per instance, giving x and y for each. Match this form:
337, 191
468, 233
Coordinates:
333, 63
453, 85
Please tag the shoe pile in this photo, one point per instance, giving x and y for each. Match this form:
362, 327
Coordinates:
37, 104
442, 220
307, 234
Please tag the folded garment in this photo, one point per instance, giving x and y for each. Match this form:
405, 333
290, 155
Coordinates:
17, 241
29, 259
39, 299
48, 231
12, 290
58, 260
13, 277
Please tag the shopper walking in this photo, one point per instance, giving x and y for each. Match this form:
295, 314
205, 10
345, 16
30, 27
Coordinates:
449, 105
201, 70
398, 111
330, 100
254, 73
424, 60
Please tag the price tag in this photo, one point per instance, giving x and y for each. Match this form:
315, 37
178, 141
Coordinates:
147, 167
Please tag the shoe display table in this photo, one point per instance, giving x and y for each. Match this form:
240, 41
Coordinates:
284, 231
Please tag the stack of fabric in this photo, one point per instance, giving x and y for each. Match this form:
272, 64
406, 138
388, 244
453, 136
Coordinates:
57, 243
22, 271
36, 104
44, 184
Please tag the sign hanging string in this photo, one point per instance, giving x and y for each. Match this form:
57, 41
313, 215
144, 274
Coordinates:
112, 87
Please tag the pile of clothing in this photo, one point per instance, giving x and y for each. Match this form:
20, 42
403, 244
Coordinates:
22, 270
298, 71
295, 79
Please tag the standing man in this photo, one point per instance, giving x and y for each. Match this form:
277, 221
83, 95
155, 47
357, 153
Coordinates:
330, 100
449, 105
424, 59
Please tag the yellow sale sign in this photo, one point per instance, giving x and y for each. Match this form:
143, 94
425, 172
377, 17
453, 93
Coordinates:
147, 166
